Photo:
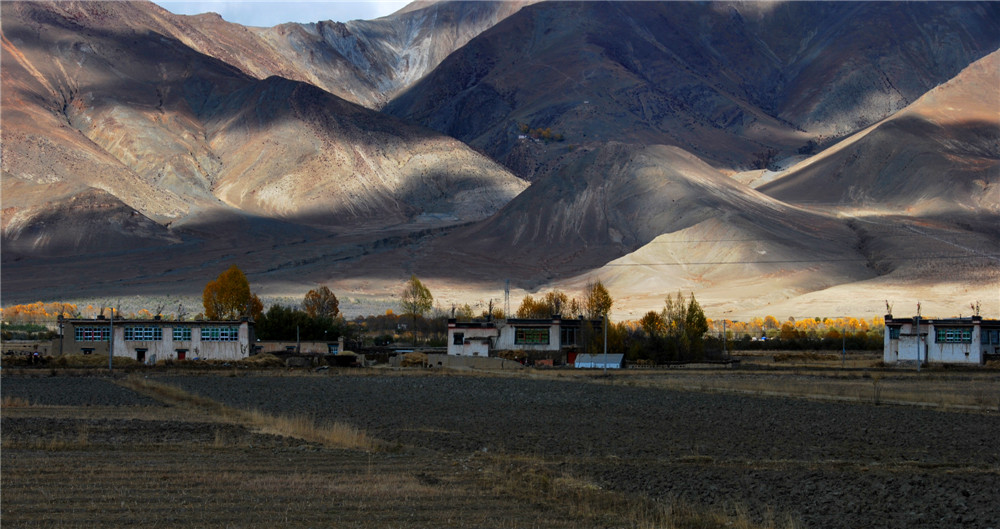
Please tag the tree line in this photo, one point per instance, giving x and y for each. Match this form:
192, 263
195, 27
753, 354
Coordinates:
680, 331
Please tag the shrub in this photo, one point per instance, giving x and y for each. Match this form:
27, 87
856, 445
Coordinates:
414, 360
262, 360
93, 360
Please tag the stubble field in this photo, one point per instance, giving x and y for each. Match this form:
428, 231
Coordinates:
462, 450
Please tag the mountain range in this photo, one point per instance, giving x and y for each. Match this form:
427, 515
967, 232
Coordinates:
794, 158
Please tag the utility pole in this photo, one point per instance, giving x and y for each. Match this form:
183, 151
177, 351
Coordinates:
843, 349
111, 341
506, 300
725, 354
605, 344
918, 337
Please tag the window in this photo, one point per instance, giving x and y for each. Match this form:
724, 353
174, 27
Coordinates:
143, 334
531, 336
182, 334
894, 333
220, 334
953, 335
459, 339
93, 334
568, 336
989, 337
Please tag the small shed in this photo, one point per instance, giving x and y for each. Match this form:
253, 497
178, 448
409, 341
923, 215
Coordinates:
600, 361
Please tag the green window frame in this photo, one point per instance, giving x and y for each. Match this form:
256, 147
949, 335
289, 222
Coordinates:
220, 334
99, 333
531, 336
953, 335
182, 334
894, 332
143, 334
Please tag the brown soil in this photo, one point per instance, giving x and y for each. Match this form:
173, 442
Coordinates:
821, 464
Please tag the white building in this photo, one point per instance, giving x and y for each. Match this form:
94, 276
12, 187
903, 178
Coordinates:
471, 338
550, 335
149, 341
941, 341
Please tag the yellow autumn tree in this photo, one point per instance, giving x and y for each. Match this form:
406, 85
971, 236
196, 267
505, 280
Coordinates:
321, 302
229, 297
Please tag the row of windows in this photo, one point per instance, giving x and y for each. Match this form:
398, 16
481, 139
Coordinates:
93, 334
220, 334
143, 334
155, 334
953, 335
531, 336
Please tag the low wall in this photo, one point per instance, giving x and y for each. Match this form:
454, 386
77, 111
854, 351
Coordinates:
464, 362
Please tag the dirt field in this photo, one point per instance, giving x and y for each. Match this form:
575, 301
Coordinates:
779, 461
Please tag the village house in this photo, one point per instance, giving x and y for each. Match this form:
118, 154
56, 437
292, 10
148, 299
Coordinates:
552, 338
941, 341
149, 341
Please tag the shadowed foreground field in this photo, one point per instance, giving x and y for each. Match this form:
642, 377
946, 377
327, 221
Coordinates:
477, 451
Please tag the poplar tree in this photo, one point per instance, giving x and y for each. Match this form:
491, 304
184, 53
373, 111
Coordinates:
416, 301
228, 297
321, 303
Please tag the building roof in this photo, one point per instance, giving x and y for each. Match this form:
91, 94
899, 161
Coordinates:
971, 320
148, 321
598, 360
476, 324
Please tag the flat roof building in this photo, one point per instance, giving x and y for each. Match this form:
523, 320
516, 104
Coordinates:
552, 336
149, 341
970, 340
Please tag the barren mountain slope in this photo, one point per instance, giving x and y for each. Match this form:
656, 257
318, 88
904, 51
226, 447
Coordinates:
611, 200
940, 155
156, 150
728, 82
921, 191
370, 61
83, 108
363, 61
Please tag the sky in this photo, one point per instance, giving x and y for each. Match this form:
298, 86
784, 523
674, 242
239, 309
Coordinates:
268, 13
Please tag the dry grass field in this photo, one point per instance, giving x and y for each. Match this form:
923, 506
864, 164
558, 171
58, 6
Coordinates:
827, 376
694, 447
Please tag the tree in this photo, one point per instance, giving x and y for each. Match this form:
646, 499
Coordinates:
286, 323
416, 301
321, 303
652, 324
553, 303
229, 297
532, 308
695, 327
597, 301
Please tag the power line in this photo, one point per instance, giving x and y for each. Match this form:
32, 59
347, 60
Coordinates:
825, 260
874, 236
